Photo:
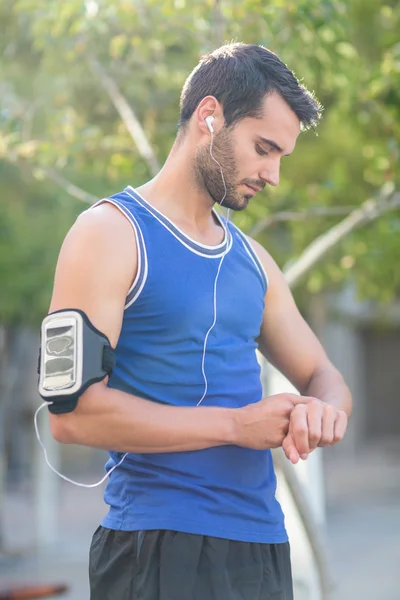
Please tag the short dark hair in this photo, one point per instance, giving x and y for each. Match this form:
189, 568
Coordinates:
240, 76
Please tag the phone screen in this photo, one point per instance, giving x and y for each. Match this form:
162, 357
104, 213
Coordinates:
60, 357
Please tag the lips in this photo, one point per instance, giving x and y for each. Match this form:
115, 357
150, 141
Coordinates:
253, 189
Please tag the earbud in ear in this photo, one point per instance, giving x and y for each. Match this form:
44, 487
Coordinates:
209, 121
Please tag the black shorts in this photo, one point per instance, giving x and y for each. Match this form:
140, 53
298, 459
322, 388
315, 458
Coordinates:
168, 565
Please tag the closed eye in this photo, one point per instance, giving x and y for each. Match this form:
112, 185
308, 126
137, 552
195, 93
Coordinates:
261, 150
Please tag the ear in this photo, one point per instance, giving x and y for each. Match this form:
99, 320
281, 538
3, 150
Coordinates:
209, 107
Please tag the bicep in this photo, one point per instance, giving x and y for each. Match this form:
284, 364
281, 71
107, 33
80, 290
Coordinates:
288, 342
95, 268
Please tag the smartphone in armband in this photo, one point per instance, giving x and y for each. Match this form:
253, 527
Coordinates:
73, 356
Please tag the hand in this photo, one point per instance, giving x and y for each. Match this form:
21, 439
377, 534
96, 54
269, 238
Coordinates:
265, 424
312, 425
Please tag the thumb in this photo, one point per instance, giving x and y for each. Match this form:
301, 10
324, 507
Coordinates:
296, 399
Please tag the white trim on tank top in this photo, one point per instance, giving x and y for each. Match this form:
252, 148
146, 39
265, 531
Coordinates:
225, 246
252, 253
142, 267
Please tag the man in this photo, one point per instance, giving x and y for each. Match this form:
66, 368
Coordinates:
186, 299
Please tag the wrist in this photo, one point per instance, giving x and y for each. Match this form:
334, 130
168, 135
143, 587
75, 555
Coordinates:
230, 426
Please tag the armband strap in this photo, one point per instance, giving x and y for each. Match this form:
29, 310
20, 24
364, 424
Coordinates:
73, 355
109, 360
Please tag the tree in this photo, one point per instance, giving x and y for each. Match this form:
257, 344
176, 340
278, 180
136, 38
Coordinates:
101, 111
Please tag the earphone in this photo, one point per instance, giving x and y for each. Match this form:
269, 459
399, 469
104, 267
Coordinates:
209, 120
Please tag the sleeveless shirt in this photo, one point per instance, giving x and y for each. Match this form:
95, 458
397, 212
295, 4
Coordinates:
225, 491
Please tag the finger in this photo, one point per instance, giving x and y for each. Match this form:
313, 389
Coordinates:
290, 449
340, 426
296, 399
298, 428
315, 413
328, 426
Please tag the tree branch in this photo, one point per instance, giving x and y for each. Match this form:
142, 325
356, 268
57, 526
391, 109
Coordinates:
65, 184
127, 115
70, 188
368, 211
322, 211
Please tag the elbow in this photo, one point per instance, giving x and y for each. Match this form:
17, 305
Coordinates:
72, 427
61, 428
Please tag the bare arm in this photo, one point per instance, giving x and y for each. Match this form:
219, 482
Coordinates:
113, 420
288, 342
96, 266
290, 345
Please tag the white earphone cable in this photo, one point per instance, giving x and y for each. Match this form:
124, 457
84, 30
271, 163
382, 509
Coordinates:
86, 485
216, 278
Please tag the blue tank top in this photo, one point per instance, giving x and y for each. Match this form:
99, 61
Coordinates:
225, 491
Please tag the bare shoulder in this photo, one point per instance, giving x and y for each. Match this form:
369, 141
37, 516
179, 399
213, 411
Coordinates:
102, 241
96, 267
104, 222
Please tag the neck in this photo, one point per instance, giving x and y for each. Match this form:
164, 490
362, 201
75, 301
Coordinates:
175, 192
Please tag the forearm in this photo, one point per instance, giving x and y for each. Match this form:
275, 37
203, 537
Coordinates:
328, 385
113, 420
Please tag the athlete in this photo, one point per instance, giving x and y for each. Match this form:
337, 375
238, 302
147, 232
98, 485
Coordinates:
186, 299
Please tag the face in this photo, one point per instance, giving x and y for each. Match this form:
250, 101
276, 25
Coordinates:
249, 153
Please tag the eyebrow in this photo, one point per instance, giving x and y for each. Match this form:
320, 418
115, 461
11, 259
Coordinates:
273, 144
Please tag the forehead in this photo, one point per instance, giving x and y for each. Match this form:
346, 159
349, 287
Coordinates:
278, 123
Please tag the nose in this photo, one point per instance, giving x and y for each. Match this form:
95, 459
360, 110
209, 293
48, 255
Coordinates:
270, 174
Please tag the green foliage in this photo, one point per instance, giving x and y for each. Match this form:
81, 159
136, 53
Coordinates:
55, 113
31, 233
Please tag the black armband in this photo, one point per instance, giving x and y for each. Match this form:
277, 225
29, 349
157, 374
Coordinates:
73, 355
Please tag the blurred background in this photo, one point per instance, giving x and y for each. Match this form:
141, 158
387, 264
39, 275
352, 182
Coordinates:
89, 99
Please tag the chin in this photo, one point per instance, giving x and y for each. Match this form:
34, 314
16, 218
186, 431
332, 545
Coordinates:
240, 203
